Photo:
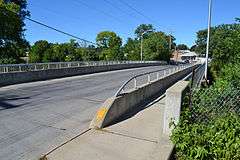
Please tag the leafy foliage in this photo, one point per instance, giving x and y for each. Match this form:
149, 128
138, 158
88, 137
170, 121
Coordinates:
12, 42
132, 49
110, 45
182, 47
219, 139
155, 44
210, 129
42, 51
38, 50
224, 45
144, 28
156, 47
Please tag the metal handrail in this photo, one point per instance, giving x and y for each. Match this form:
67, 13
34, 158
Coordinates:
58, 65
173, 69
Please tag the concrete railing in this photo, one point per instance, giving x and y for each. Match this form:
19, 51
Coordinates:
114, 108
173, 103
29, 76
59, 65
146, 78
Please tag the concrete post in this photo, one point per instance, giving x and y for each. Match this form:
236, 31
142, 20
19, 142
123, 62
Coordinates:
135, 83
149, 79
173, 103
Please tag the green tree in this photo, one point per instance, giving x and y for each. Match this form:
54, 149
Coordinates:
12, 42
182, 47
156, 47
38, 50
90, 53
237, 19
70, 51
132, 49
144, 28
110, 45
193, 48
201, 41
224, 45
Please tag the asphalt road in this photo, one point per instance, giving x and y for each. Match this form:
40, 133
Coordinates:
37, 117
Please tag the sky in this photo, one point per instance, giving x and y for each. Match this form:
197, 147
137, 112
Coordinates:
86, 18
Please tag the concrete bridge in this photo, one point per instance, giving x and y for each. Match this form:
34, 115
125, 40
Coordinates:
38, 117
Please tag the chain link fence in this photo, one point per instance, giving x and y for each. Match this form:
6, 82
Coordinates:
208, 103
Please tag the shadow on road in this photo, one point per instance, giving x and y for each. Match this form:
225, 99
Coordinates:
5, 102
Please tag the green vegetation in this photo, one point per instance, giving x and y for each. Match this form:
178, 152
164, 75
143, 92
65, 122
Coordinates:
155, 44
210, 128
182, 47
109, 47
144, 30
110, 44
224, 45
218, 139
156, 47
12, 42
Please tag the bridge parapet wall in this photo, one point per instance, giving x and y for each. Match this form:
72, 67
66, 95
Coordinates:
30, 76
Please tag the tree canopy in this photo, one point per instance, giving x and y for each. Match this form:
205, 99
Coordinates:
132, 49
43, 51
156, 47
182, 47
12, 42
224, 44
110, 45
144, 28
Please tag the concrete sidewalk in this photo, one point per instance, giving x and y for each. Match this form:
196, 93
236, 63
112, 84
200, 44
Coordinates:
136, 138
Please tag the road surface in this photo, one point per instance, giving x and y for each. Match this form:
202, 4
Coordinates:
37, 117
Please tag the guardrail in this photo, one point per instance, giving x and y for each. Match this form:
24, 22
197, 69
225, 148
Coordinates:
58, 65
146, 78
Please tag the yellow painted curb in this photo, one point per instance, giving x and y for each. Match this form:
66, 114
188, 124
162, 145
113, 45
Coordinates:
101, 113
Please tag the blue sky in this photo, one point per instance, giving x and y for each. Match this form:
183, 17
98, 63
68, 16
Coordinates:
182, 17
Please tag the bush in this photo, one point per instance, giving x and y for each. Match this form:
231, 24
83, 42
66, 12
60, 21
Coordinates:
219, 139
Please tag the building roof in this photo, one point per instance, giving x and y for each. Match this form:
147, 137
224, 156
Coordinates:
187, 53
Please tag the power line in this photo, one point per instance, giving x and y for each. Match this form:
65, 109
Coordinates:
118, 8
57, 30
80, 2
100, 11
137, 11
58, 13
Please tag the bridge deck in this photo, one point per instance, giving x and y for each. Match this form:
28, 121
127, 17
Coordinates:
36, 117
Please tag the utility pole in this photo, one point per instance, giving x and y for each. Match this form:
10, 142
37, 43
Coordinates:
208, 35
142, 46
170, 42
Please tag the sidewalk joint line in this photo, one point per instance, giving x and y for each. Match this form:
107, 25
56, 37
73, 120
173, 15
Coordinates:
124, 135
64, 143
